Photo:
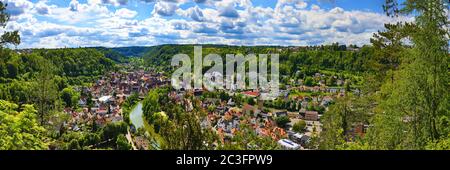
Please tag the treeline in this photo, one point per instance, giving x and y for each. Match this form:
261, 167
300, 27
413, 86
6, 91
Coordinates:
77, 62
113, 54
307, 60
67, 67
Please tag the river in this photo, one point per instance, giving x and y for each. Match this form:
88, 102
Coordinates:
136, 116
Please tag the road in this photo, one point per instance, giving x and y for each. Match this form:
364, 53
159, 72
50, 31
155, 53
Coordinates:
130, 140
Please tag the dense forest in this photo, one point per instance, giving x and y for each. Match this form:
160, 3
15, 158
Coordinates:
306, 60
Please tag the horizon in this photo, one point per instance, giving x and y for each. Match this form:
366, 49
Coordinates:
227, 45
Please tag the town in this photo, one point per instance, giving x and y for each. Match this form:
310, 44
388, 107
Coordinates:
303, 107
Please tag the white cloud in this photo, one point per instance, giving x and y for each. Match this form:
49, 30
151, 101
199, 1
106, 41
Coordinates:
73, 5
18, 7
164, 8
236, 22
125, 13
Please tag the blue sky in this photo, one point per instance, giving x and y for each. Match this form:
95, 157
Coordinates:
115, 23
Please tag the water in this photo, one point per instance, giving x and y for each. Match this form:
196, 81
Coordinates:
136, 116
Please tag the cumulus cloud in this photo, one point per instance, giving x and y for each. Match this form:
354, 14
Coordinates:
109, 2
205, 29
125, 13
180, 25
43, 10
18, 7
196, 14
164, 8
235, 22
73, 5
229, 11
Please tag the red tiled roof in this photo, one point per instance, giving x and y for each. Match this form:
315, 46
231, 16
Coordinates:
251, 93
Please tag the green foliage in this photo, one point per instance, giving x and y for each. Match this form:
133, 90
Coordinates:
74, 145
309, 81
44, 91
441, 144
77, 62
70, 97
112, 130
299, 126
409, 108
122, 143
308, 60
339, 120
112, 54
128, 105
12, 37
185, 133
20, 130
151, 105
251, 101
282, 121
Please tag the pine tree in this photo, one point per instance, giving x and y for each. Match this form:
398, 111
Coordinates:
7, 37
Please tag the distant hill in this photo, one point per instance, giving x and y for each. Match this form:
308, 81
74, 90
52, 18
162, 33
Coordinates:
306, 59
135, 51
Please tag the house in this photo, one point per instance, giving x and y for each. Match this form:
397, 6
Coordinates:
326, 101
230, 103
288, 144
304, 140
301, 113
281, 113
333, 90
105, 99
198, 92
251, 93
82, 102
311, 115
248, 109
304, 104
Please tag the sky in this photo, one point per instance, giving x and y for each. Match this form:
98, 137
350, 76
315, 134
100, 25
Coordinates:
119, 23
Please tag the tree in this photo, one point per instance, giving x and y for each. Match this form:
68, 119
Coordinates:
251, 101
12, 70
70, 96
337, 122
224, 96
282, 121
151, 105
122, 143
44, 92
7, 37
186, 133
89, 102
113, 130
20, 130
74, 145
419, 98
309, 81
299, 126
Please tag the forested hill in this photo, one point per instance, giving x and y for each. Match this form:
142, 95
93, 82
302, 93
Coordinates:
134, 51
63, 62
106, 52
306, 59
22, 72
